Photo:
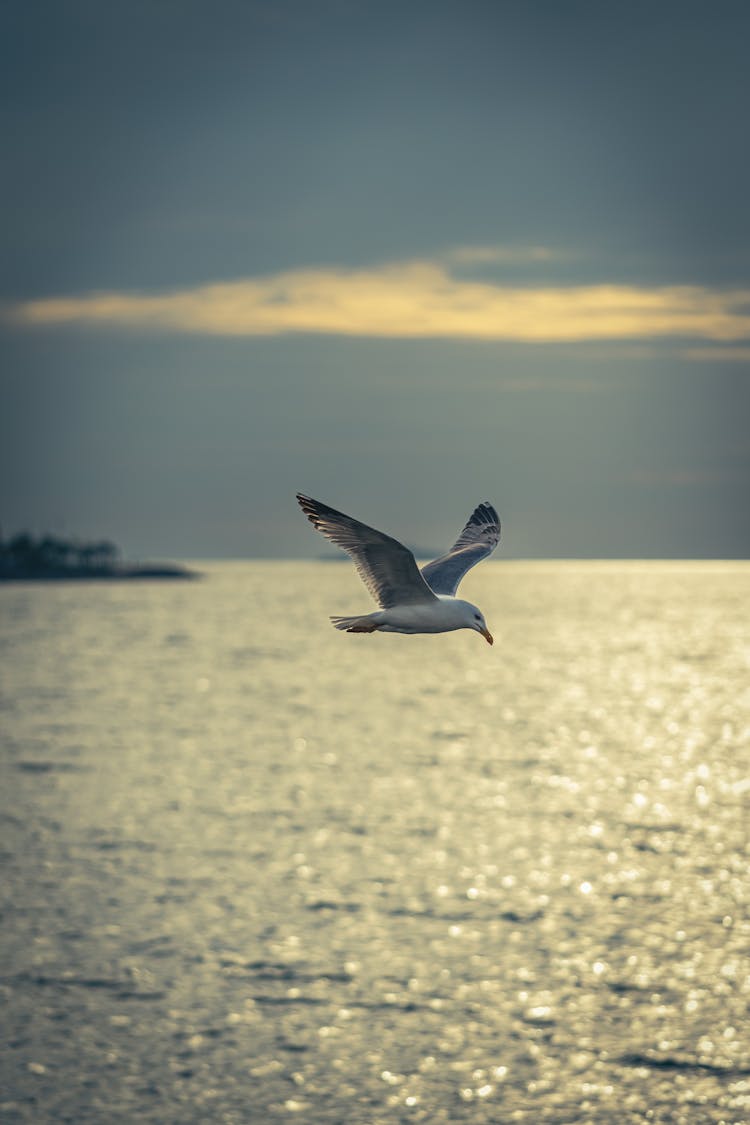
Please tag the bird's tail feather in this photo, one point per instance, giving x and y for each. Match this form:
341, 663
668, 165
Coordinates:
355, 624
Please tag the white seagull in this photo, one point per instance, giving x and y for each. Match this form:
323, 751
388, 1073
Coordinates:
411, 600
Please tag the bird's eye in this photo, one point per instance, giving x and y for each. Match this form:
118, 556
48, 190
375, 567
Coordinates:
477, 617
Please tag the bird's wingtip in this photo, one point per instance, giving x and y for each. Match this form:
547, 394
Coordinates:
311, 509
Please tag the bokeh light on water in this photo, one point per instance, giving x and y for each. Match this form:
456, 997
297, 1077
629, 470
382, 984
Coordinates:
260, 870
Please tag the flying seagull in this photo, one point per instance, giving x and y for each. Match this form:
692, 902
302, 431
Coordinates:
411, 600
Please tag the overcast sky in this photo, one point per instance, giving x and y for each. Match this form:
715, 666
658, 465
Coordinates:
401, 256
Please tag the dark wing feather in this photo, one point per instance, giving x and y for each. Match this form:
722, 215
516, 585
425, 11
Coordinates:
387, 568
477, 540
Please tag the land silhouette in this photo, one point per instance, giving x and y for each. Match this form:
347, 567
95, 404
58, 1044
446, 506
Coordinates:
48, 558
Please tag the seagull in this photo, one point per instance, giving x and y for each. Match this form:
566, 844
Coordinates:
411, 600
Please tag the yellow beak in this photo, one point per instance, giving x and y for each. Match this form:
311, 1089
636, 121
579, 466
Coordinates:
487, 635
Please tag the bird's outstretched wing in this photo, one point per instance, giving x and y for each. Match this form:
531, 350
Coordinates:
387, 568
477, 540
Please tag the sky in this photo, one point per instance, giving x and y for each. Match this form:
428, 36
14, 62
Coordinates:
403, 257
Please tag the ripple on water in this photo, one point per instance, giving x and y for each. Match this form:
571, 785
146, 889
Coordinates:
321, 877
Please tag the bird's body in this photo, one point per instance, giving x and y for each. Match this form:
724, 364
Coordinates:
441, 616
412, 601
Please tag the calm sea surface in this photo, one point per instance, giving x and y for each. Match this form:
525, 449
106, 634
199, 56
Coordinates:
258, 870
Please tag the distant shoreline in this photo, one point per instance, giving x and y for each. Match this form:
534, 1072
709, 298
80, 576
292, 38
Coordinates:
26, 558
110, 574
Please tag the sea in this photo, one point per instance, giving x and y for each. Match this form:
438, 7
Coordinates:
258, 870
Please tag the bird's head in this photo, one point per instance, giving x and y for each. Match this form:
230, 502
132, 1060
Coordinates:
476, 621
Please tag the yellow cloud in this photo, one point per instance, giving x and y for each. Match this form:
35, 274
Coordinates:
499, 255
410, 300
723, 355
